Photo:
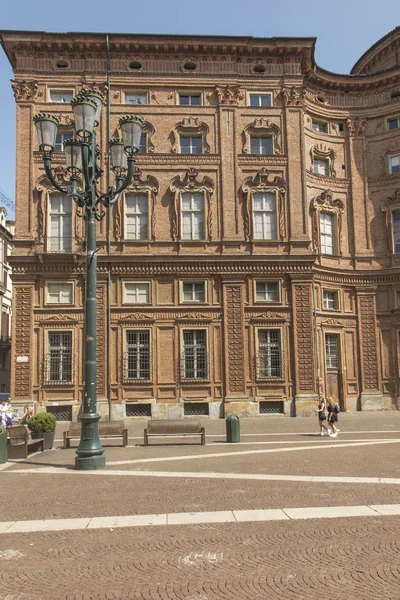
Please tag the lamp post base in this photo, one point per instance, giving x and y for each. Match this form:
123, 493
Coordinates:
90, 463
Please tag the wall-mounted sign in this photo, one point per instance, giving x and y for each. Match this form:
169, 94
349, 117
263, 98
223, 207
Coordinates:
22, 359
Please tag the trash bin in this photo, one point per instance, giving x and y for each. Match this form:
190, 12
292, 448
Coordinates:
232, 429
3, 444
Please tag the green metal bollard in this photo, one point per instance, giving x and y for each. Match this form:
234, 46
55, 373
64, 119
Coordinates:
3, 444
232, 429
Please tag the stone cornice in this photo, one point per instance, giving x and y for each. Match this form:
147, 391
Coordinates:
322, 181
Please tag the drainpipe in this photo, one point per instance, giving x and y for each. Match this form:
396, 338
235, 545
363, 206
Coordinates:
108, 225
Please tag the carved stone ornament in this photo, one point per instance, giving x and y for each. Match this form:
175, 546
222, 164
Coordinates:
331, 322
148, 187
190, 126
65, 120
391, 204
136, 317
325, 202
58, 318
356, 126
268, 316
262, 126
101, 87
149, 130
194, 316
191, 184
322, 151
229, 94
25, 90
292, 96
260, 183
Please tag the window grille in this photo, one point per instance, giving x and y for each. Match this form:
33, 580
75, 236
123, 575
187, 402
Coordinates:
269, 357
195, 359
138, 410
192, 217
332, 352
137, 355
59, 364
272, 407
195, 408
61, 413
264, 216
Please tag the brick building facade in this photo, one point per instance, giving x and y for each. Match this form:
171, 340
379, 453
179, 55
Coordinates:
255, 257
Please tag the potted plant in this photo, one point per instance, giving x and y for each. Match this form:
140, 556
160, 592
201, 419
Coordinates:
43, 425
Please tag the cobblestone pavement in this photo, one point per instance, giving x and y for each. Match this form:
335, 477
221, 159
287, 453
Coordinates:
337, 558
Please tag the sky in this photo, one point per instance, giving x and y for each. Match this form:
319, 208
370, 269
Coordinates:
344, 29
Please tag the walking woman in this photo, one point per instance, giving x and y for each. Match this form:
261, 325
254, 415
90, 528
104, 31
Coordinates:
332, 416
322, 416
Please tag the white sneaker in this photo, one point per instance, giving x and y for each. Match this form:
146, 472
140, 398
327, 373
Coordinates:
337, 429
321, 433
329, 431
333, 435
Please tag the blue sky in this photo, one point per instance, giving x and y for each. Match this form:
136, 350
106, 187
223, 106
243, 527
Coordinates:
345, 30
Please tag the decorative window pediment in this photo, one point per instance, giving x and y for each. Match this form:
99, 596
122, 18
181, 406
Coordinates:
190, 126
392, 207
326, 203
148, 187
191, 184
259, 184
149, 130
326, 153
262, 127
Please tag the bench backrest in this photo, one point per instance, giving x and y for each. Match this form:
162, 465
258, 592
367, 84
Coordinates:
105, 428
171, 426
18, 434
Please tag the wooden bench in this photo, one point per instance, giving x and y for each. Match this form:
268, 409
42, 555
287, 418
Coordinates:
168, 427
19, 444
107, 429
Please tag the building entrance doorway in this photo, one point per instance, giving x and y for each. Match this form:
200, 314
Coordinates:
333, 375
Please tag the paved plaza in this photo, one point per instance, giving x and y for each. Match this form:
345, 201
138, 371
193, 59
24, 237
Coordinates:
285, 514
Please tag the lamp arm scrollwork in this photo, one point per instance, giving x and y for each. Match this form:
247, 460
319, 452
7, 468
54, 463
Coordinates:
47, 168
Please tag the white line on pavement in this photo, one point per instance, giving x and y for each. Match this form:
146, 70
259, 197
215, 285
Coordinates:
189, 518
211, 475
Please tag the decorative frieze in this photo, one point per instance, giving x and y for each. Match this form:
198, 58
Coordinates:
368, 342
23, 308
234, 335
304, 344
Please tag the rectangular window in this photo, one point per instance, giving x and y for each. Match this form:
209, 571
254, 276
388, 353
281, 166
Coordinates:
269, 354
261, 145
60, 139
191, 144
137, 355
60, 238
330, 300
396, 231
398, 299
194, 291
190, 99
332, 351
59, 358
59, 293
137, 293
393, 123
192, 217
137, 217
264, 216
327, 233
394, 162
61, 96
321, 166
320, 126
143, 143
260, 100
267, 291
135, 98
195, 360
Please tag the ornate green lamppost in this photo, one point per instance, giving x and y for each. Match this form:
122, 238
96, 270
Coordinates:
82, 158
